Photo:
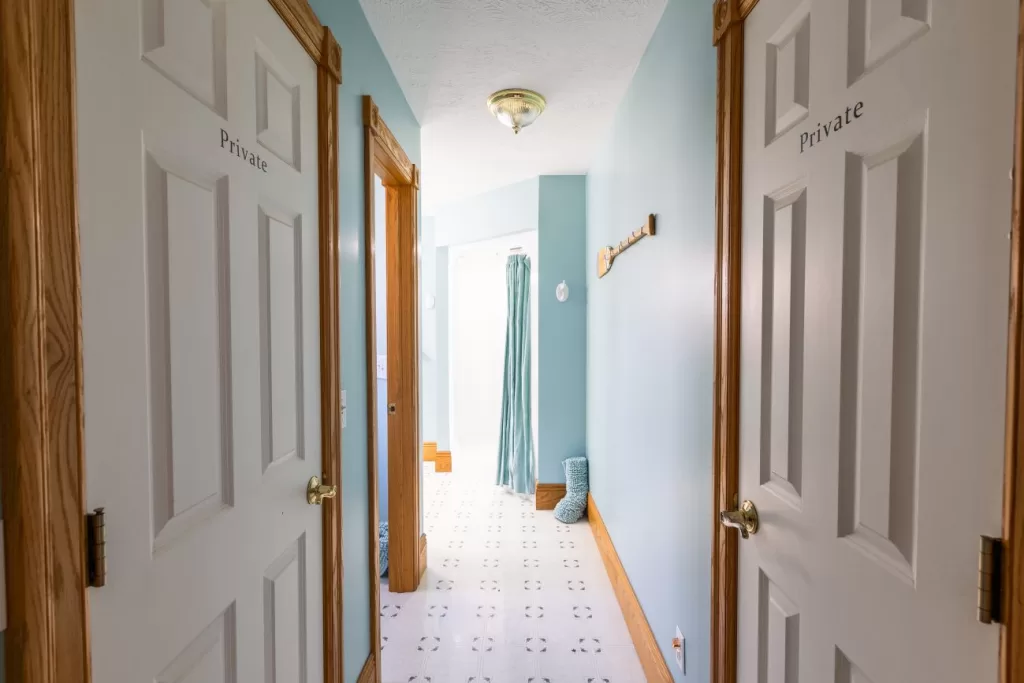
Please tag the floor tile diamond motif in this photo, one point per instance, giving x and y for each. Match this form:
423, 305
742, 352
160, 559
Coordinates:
510, 596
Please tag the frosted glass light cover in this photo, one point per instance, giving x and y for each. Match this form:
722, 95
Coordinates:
516, 108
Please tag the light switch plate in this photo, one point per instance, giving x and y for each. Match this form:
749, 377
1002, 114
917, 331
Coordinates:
681, 651
382, 367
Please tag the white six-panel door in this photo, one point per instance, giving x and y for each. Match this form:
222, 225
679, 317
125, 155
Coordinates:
198, 204
876, 208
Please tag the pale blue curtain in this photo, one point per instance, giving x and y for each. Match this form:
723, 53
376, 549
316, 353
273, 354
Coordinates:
515, 446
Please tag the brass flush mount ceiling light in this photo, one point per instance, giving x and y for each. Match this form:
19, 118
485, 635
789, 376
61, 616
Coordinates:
516, 108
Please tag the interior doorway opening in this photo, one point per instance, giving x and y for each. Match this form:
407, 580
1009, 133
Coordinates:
477, 329
380, 409
387, 167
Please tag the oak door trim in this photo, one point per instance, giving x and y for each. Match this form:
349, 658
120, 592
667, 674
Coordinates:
389, 156
41, 418
41, 383
728, 37
546, 496
328, 81
368, 674
384, 157
1011, 647
325, 51
729, 16
403, 389
307, 29
371, 397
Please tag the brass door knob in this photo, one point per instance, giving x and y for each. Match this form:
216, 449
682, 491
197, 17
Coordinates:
745, 519
316, 492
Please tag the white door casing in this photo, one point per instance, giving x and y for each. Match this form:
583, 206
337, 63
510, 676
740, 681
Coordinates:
197, 132
877, 139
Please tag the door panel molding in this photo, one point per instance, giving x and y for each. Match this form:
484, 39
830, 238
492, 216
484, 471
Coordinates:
307, 29
41, 382
383, 156
728, 37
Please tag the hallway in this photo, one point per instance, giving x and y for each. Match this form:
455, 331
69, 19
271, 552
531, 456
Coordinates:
510, 595
739, 280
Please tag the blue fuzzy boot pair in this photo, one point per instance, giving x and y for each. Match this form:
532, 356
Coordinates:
577, 485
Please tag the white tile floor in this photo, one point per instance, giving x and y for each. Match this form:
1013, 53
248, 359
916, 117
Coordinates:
510, 595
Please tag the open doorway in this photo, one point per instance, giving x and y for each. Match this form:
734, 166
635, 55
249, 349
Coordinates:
477, 329
391, 185
380, 408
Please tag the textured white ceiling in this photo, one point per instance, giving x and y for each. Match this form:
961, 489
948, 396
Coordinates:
449, 55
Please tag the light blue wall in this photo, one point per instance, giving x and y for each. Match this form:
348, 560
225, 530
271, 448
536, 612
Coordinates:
650, 331
506, 210
562, 334
380, 276
364, 71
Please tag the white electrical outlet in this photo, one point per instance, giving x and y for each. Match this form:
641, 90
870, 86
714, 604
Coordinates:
382, 367
680, 650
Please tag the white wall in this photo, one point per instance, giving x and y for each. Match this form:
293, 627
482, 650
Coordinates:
478, 313
380, 273
428, 332
441, 394
505, 211
509, 210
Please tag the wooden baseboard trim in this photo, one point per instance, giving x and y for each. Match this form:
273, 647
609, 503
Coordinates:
548, 495
369, 672
429, 451
423, 553
443, 461
655, 668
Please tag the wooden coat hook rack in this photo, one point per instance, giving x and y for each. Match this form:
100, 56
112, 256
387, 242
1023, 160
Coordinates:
607, 255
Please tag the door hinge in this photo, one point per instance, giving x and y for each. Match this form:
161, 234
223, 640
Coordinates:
990, 579
96, 551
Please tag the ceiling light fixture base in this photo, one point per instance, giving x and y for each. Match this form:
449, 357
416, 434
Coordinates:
517, 108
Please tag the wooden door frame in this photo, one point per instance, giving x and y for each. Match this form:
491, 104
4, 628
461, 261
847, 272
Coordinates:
728, 36
384, 157
41, 382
